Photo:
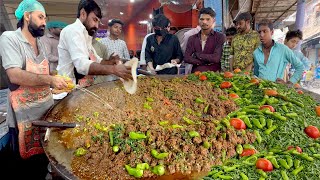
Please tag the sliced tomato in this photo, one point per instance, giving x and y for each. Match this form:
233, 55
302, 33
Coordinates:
246, 73
228, 74
225, 84
318, 110
197, 73
237, 123
270, 92
255, 81
203, 77
264, 164
237, 70
247, 152
297, 85
300, 92
312, 132
267, 106
233, 95
297, 148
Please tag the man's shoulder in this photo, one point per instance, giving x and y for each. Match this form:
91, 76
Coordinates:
9, 34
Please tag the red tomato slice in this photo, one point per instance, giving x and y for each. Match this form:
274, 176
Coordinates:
312, 132
233, 95
297, 148
197, 73
203, 77
267, 106
264, 164
247, 152
228, 74
237, 123
225, 84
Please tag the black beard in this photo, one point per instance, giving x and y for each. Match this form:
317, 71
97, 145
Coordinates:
36, 31
91, 31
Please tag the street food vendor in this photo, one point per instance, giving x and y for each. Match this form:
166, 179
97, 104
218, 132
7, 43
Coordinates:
26, 63
77, 57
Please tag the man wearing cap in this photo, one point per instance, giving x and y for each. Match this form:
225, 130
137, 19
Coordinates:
51, 41
77, 57
26, 63
244, 43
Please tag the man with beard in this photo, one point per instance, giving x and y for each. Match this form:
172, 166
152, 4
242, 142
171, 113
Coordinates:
77, 57
25, 61
243, 43
271, 58
163, 50
204, 49
51, 41
115, 45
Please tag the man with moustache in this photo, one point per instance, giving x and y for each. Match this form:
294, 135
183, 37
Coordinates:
25, 61
243, 43
51, 41
204, 49
77, 57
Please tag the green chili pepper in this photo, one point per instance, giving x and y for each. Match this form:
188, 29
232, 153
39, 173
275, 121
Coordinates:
211, 173
175, 126
157, 155
252, 107
137, 135
138, 173
278, 116
297, 103
247, 95
80, 152
297, 170
143, 166
234, 113
163, 123
262, 173
189, 111
206, 109
284, 108
241, 113
284, 175
296, 163
269, 123
115, 148
150, 99
146, 105
243, 176
226, 122
194, 134
247, 121
262, 121
292, 115
263, 102
111, 138
305, 156
215, 176
234, 86
239, 149
274, 162
206, 145
224, 135
289, 161
248, 146
284, 164
225, 177
187, 120
258, 137
251, 160
269, 130
316, 156
199, 100
256, 122
312, 150
223, 98
219, 127
228, 169
224, 153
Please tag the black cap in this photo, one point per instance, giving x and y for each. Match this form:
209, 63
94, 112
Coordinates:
243, 16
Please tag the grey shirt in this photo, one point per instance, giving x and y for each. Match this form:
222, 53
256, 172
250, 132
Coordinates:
14, 50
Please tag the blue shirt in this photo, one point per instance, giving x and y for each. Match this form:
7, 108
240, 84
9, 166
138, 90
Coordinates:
280, 56
305, 61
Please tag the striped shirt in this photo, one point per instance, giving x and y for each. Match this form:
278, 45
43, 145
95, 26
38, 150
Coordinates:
225, 63
118, 47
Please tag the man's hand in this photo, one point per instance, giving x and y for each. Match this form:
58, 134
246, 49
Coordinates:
115, 58
58, 82
122, 71
175, 61
280, 81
